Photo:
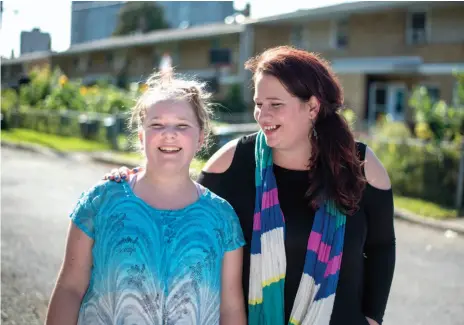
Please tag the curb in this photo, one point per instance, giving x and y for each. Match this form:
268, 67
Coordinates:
33, 148
442, 225
106, 158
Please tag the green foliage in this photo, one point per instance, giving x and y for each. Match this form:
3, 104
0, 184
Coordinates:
460, 89
427, 172
33, 93
9, 100
53, 104
438, 121
395, 130
65, 94
424, 208
233, 102
116, 100
349, 115
54, 92
140, 16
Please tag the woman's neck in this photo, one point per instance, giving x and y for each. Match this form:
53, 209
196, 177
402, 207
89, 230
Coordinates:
296, 158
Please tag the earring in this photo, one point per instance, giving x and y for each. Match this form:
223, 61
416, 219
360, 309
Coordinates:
314, 129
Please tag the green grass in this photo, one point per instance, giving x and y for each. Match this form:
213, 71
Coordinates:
134, 156
424, 208
56, 142
197, 165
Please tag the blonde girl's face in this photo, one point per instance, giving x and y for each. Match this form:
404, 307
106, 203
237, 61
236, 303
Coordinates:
171, 135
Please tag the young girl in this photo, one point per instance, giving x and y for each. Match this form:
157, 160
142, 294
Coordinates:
160, 248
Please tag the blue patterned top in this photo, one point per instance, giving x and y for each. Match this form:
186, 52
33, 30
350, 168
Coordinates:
154, 266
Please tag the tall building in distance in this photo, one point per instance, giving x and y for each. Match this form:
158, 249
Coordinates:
93, 20
35, 41
1, 13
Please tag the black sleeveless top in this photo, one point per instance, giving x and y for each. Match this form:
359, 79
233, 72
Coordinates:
369, 249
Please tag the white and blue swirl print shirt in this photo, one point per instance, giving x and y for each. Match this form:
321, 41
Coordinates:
150, 266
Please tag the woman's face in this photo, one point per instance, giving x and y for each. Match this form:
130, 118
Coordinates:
285, 119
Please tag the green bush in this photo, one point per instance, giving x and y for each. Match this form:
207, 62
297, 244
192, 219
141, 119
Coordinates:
9, 100
350, 116
395, 130
427, 172
33, 93
233, 102
436, 121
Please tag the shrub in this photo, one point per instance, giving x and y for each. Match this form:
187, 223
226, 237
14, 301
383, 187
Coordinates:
425, 171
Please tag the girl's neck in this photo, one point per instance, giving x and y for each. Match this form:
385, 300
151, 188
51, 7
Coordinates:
296, 158
165, 182
165, 192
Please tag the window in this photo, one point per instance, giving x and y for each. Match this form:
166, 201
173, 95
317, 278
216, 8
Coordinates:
109, 59
417, 28
184, 12
433, 92
341, 33
296, 37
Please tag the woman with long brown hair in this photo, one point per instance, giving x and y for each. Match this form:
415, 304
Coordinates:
315, 206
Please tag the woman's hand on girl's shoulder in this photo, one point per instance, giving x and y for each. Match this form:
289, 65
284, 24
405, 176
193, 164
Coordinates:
121, 174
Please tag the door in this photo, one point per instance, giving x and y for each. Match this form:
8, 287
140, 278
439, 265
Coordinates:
387, 99
396, 103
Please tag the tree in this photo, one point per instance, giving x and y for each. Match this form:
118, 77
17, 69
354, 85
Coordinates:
140, 17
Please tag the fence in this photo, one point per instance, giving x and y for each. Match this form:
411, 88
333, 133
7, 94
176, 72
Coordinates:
87, 125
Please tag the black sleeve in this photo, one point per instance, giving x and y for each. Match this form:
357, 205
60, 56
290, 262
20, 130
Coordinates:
380, 251
215, 182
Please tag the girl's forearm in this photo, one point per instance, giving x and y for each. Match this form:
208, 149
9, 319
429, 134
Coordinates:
233, 317
64, 307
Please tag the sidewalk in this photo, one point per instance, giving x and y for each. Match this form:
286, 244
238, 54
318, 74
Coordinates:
455, 225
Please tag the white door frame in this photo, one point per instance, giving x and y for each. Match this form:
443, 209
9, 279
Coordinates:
390, 88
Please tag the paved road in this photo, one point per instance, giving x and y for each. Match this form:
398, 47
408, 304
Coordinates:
38, 192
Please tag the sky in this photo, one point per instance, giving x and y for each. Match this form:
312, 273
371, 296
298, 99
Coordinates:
54, 17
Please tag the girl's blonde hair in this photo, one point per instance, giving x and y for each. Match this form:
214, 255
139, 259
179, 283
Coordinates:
163, 87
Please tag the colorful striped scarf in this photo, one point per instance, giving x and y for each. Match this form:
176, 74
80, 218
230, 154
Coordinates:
316, 293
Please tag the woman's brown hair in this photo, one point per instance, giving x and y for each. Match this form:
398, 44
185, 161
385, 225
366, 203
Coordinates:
335, 170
